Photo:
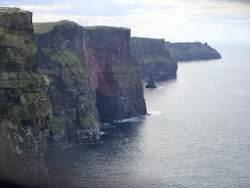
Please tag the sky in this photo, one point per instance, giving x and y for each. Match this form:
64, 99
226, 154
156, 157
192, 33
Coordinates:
174, 20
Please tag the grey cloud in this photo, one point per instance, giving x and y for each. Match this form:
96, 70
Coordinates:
83, 7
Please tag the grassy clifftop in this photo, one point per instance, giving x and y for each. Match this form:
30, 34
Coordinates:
45, 27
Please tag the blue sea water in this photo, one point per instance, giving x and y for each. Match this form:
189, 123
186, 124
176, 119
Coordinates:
197, 133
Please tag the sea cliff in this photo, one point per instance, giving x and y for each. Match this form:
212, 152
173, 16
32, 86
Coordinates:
188, 51
94, 79
114, 72
60, 90
61, 57
155, 60
24, 106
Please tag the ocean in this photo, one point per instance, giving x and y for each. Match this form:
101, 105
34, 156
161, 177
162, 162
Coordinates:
197, 133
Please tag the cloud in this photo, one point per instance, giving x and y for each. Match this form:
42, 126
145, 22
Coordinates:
236, 21
222, 26
175, 20
77, 7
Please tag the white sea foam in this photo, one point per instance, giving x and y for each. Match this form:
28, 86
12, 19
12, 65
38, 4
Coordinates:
129, 120
154, 113
102, 133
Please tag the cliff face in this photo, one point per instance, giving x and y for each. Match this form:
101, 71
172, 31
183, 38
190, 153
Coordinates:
114, 73
155, 61
188, 51
61, 58
93, 75
24, 107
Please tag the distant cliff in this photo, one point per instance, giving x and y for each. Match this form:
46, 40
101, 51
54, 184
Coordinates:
155, 61
114, 73
24, 107
188, 51
61, 57
93, 78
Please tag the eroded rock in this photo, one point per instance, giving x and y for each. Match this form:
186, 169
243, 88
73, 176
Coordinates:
25, 110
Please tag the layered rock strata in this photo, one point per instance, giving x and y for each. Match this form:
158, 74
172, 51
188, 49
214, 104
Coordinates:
114, 72
75, 118
93, 77
24, 106
188, 51
156, 62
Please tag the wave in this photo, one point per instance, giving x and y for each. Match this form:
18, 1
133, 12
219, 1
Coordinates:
129, 120
154, 112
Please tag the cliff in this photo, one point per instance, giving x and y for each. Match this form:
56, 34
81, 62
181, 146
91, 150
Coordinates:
61, 57
155, 61
114, 73
93, 78
188, 51
24, 107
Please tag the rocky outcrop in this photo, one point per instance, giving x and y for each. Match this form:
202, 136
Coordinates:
61, 56
188, 51
155, 61
24, 106
114, 73
151, 84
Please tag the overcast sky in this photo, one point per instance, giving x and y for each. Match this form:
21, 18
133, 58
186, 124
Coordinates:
174, 20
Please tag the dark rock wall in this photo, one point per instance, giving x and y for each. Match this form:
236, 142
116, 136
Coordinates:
93, 77
114, 73
188, 51
24, 106
61, 57
155, 61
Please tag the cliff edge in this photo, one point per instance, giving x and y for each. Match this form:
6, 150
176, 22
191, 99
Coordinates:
93, 78
155, 61
75, 118
24, 106
188, 51
114, 72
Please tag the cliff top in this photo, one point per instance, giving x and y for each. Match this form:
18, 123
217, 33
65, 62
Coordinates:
142, 47
11, 10
103, 27
45, 27
15, 19
146, 38
188, 51
186, 43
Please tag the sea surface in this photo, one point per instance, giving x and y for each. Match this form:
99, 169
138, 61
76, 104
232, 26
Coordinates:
197, 133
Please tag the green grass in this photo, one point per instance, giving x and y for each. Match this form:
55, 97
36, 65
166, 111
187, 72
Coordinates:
19, 40
45, 27
103, 27
67, 65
